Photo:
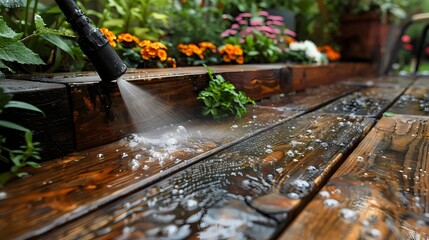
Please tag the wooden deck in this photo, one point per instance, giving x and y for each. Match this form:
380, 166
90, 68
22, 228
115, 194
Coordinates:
346, 160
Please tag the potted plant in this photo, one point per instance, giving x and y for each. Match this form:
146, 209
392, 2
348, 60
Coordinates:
365, 26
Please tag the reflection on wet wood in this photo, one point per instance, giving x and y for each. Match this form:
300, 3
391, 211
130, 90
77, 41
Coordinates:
421, 82
382, 82
69, 187
415, 101
53, 132
273, 173
380, 192
370, 102
308, 76
310, 98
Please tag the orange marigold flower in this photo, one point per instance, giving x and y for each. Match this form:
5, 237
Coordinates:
330, 52
126, 37
205, 45
226, 58
290, 40
144, 54
162, 54
240, 60
238, 50
145, 43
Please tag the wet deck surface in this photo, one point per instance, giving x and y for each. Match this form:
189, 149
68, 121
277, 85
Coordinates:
341, 161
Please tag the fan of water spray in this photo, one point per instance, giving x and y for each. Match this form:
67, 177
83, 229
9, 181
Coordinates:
148, 111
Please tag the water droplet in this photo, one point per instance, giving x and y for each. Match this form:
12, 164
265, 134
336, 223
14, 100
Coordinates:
191, 204
290, 153
312, 169
124, 155
145, 167
3, 195
324, 145
359, 158
310, 148
170, 230
234, 126
279, 170
269, 150
348, 214
331, 203
293, 195
324, 194
100, 156
134, 164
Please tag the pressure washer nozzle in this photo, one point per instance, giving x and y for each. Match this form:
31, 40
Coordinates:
93, 43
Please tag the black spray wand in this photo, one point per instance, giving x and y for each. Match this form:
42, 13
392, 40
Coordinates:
93, 43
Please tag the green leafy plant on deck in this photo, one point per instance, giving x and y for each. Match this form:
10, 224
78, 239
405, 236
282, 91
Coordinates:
17, 158
221, 99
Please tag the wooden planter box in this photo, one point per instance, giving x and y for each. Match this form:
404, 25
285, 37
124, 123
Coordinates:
97, 114
363, 37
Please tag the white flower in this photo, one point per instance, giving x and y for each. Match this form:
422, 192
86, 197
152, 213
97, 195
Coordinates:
310, 50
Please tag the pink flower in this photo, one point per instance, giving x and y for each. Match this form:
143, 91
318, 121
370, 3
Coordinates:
427, 50
406, 39
235, 26
256, 22
264, 29
289, 32
243, 22
263, 13
228, 32
278, 23
243, 15
275, 18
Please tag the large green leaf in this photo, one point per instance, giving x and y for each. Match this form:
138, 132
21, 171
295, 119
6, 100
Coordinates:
2, 65
13, 126
59, 42
12, 3
23, 105
13, 50
6, 31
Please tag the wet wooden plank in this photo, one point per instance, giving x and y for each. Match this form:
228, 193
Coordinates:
421, 82
53, 132
310, 98
370, 102
233, 193
383, 81
380, 192
415, 101
71, 186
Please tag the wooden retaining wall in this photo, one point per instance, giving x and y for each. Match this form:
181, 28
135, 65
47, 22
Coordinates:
96, 114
